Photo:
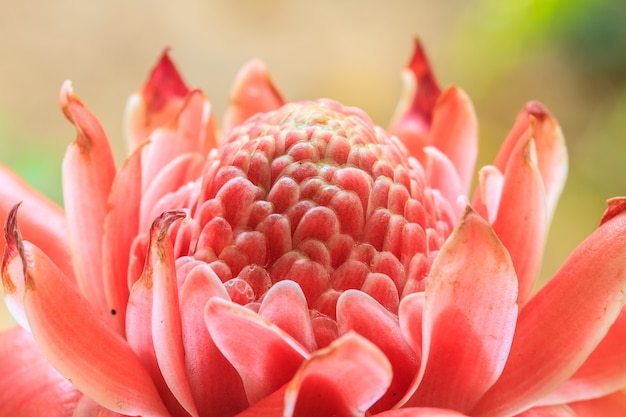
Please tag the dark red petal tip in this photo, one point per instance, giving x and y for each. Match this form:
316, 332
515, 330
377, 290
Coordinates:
164, 83
428, 90
616, 206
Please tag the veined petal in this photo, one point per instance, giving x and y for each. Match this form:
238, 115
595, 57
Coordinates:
88, 172
160, 99
236, 329
42, 220
211, 376
252, 93
613, 405
549, 411
285, 306
121, 226
351, 374
564, 322
454, 132
192, 131
65, 326
603, 372
30, 385
358, 312
521, 222
166, 323
551, 150
469, 317
414, 113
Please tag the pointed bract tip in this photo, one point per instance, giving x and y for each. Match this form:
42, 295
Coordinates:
615, 207
536, 109
161, 224
66, 95
14, 247
428, 90
163, 83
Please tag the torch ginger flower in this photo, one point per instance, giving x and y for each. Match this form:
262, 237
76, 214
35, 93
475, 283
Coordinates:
306, 263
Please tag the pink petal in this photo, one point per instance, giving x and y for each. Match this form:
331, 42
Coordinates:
613, 405
468, 318
178, 172
357, 311
603, 372
66, 328
166, 322
521, 222
415, 109
551, 152
157, 103
488, 193
212, 378
30, 385
87, 407
252, 93
454, 132
88, 172
442, 175
344, 379
121, 226
549, 411
419, 412
42, 221
285, 306
192, 131
275, 357
562, 324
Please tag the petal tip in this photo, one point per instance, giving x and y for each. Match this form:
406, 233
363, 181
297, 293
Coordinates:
615, 207
163, 83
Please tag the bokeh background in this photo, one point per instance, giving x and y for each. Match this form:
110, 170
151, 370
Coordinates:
571, 55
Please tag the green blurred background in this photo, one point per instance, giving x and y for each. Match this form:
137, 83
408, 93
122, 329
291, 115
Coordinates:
571, 55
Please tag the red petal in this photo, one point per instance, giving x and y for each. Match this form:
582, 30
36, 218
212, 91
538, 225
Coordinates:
275, 357
562, 324
521, 222
65, 326
30, 385
121, 226
42, 221
87, 407
357, 311
420, 412
613, 405
602, 373
157, 103
416, 106
215, 384
550, 411
551, 152
88, 172
252, 93
344, 379
468, 318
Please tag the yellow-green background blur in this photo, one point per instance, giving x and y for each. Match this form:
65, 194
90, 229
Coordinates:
571, 55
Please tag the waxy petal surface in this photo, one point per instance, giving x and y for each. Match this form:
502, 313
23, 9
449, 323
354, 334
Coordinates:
65, 327
564, 322
469, 317
30, 385
613, 405
88, 172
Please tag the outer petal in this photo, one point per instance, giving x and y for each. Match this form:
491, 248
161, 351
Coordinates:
613, 405
42, 221
561, 325
65, 327
30, 385
253, 93
551, 150
211, 376
88, 172
274, 360
87, 407
521, 222
549, 411
420, 412
602, 373
468, 319
160, 99
121, 226
357, 311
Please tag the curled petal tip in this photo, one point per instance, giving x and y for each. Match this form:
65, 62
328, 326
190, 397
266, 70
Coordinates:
428, 90
13, 248
66, 95
162, 223
615, 207
164, 83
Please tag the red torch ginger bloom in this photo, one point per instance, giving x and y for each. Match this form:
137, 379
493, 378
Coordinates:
306, 263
